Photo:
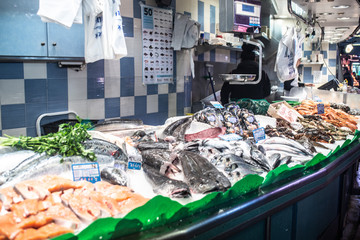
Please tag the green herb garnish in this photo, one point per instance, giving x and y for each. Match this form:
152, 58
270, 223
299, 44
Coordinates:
66, 142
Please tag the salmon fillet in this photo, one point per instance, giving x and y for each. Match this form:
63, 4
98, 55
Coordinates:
48, 231
31, 189
117, 192
8, 196
55, 183
105, 203
136, 200
8, 226
57, 213
84, 208
26, 208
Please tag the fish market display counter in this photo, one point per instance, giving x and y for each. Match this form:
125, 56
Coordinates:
308, 204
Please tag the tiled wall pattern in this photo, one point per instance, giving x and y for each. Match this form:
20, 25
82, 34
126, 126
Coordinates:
107, 88
329, 52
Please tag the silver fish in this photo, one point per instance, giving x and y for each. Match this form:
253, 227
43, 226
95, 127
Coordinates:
13, 157
115, 176
286, 141
260, 158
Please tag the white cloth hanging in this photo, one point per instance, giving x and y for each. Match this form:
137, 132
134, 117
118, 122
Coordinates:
104, 36
64, 12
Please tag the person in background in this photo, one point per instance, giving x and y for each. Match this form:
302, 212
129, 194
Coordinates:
248, 65
347, 76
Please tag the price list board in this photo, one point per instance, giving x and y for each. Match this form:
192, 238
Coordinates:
157, 57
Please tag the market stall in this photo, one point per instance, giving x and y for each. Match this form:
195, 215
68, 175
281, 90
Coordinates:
223, 172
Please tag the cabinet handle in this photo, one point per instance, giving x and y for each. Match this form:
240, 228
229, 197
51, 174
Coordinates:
42, 44
54, 44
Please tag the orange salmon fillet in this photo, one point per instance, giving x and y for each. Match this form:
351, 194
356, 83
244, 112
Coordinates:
8, 196
26, 208
136, 200
84, 208
48, 231
31, 189
8, 226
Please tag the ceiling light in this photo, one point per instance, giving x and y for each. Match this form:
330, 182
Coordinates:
356, 44
338, 34
321, 20
349, 48
335, 38
343, 18
340, 6
329, 31
342, 28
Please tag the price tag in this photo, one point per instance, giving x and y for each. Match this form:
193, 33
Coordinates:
259, 134
320, 108
230, 137
216, 104
134, 165
86, 171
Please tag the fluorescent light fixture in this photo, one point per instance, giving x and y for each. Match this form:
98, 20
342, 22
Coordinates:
342, 28
343, 18
321, 20
338, 34
356, 44
335, 38
349, 48
340, 6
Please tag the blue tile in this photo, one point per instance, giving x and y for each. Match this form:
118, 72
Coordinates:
11, 70
201, 57
212, 19
140, 105
212, 55
58, 89
13, 116
152, 89
201, 14
302, 46
307, 54
57, 106
95, 69
324, 71
308, 78
180, 102
187, 13
172, 87
324, 53
127, 68
35, 90
127, 87
206, 35
233, 57
0, 133
332, 62
112, 107
54, 71
95, 88
31, 132
332, 47
163, 103
136, 9
32, 112
128, 26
